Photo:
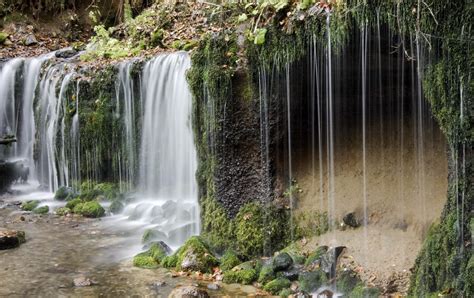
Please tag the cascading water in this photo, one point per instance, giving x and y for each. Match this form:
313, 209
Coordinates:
166, 201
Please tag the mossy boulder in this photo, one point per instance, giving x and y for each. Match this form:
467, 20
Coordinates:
151, 258
229, 260
316, 255
73, 203
245, 277
62, 211
41, 210
295, 253
151, 234
116, 207
29, 205
361, 291
285, 293
90, 209
282, 261
312, 280
266, 274
195, 255
90, 195
78, 208
11, 239
63, 193
3, 37
277, 285
346, 281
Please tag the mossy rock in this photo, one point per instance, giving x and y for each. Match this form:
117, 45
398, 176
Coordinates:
152, 257
266, 274
195, 255
277, 285
285, 293
229, 260
116, 207
90, 195
312, 280
245, 277
150, 235
63, 193
295, 254
282, 261
143, 260
346, 281
91, 209
62, 211
41, 210
73, 203
3, 37
316, 255
361, 291
29, 205
78, 208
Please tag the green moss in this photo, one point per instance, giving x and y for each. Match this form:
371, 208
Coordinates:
312, 280
362, 291
90, 195
316, 255
285, 293
170, 261
90, 209
29, 205
73, 203
63, 193
78, 208
3, 37
246, 276
295, 253
277, 285
41, 210
143, 260
63, 211
261, 229
197, 255
156, 38
346, 281
266, 274
229, 260
150, 258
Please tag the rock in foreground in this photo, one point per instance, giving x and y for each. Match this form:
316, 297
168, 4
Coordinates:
11, 239
188, 292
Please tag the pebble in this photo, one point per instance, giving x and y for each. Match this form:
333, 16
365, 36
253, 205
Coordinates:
82, 281
213, 286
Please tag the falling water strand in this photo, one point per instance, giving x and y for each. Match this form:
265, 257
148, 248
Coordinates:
364, 119
330, 135
290, 173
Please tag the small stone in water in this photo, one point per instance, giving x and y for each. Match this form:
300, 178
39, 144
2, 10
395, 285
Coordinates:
82, 281
159, 284
213, 286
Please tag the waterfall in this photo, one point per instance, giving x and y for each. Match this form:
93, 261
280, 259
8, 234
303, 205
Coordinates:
167, 188
18, 81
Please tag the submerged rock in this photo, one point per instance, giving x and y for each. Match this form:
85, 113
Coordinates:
11, 239
213, 286
82, 281
188, 292
116, 207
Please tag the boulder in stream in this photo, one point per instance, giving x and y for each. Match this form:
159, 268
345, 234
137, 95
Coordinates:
282, 262
195, 255
11, 239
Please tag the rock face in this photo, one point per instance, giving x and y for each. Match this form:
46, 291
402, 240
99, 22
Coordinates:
188, 292
11, 239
